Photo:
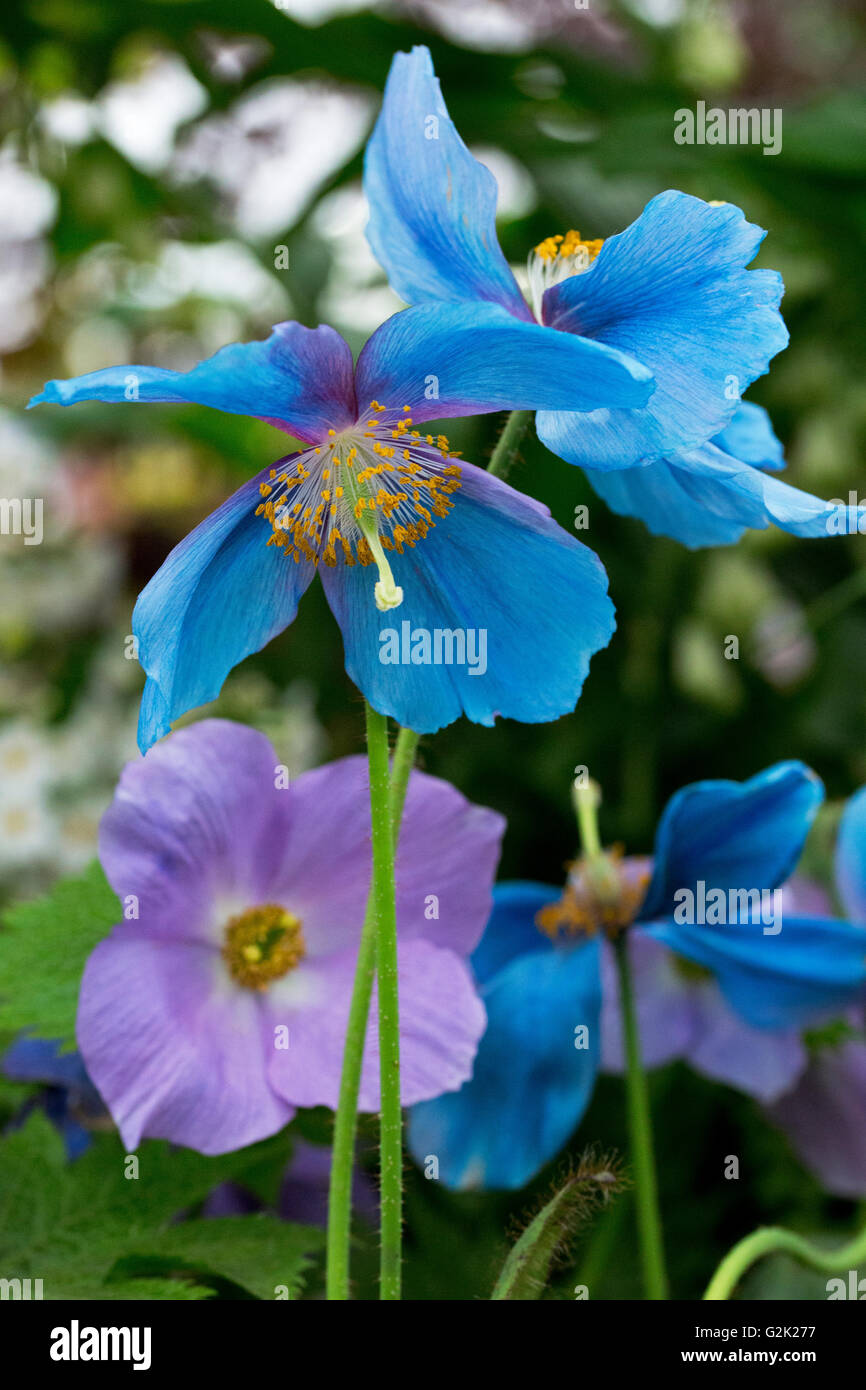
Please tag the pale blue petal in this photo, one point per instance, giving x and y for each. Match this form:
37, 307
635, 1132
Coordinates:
444, 360
299, 379
529, 600
432, 206
222, 593
671, 290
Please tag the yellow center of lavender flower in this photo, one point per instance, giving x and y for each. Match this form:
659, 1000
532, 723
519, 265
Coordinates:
594, 901
262, 944
556, 259
373, 488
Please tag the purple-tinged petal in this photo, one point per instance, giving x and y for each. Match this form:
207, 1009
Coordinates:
432, 206
176, 1050
445, 360
825, 1118
200, 819
441, 1022
851, 857
299, 379
222, 594
497, 568
673, 292
446, 860
803, 897
761, 1063
664, 1003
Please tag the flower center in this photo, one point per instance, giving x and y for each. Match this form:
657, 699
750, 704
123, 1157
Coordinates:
262, 944
372, 488
595, 901
555, 259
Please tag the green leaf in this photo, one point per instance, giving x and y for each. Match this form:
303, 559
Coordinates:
73, 1225
526, 1272
260, 1253
43, 949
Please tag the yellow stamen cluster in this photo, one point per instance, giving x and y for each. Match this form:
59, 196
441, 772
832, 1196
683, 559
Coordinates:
571, 244
583, 911
377, 486
262, 944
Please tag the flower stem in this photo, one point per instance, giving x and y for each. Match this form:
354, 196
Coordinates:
640, 1133
505, 453
385, 918
346, 1119
770, 1239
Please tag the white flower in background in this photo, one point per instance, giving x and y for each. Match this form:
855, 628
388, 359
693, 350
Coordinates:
77, 834
274, 149
141, 117
28, 207
25, 761
27, 830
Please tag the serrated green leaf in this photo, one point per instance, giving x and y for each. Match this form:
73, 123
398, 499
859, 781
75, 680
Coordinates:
260, 1253
71, 1224
43, 949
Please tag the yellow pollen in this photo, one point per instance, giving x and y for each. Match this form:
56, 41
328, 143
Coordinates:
262, 944
581, 911
569, 245
380, 487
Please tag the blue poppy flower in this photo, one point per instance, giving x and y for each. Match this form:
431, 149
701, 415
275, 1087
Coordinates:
462, 555
672, 291
721, 848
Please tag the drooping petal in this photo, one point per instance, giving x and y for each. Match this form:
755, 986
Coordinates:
751, 438
511, 930
851, 857
299, 379
183, 834
445, 360
762, 1063
175, 1049
432, 206
706, 497
446, 860
531, 1082
222, 594
792, 978
825, 1118
732, 835
671, 290
441, 1021
527, 601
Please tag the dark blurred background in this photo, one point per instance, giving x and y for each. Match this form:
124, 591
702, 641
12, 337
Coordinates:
158, 161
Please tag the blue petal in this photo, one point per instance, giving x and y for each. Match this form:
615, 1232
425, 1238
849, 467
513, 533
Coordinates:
706, 497
299, 379
432, 206
813, 968
511, 930
851, 857
499, 570
727, 835
751, 438
671, 290
531, 1084
445, 360
222, 593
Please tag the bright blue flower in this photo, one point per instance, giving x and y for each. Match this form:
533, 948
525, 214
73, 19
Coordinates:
539, 968
671, 291
464, 550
